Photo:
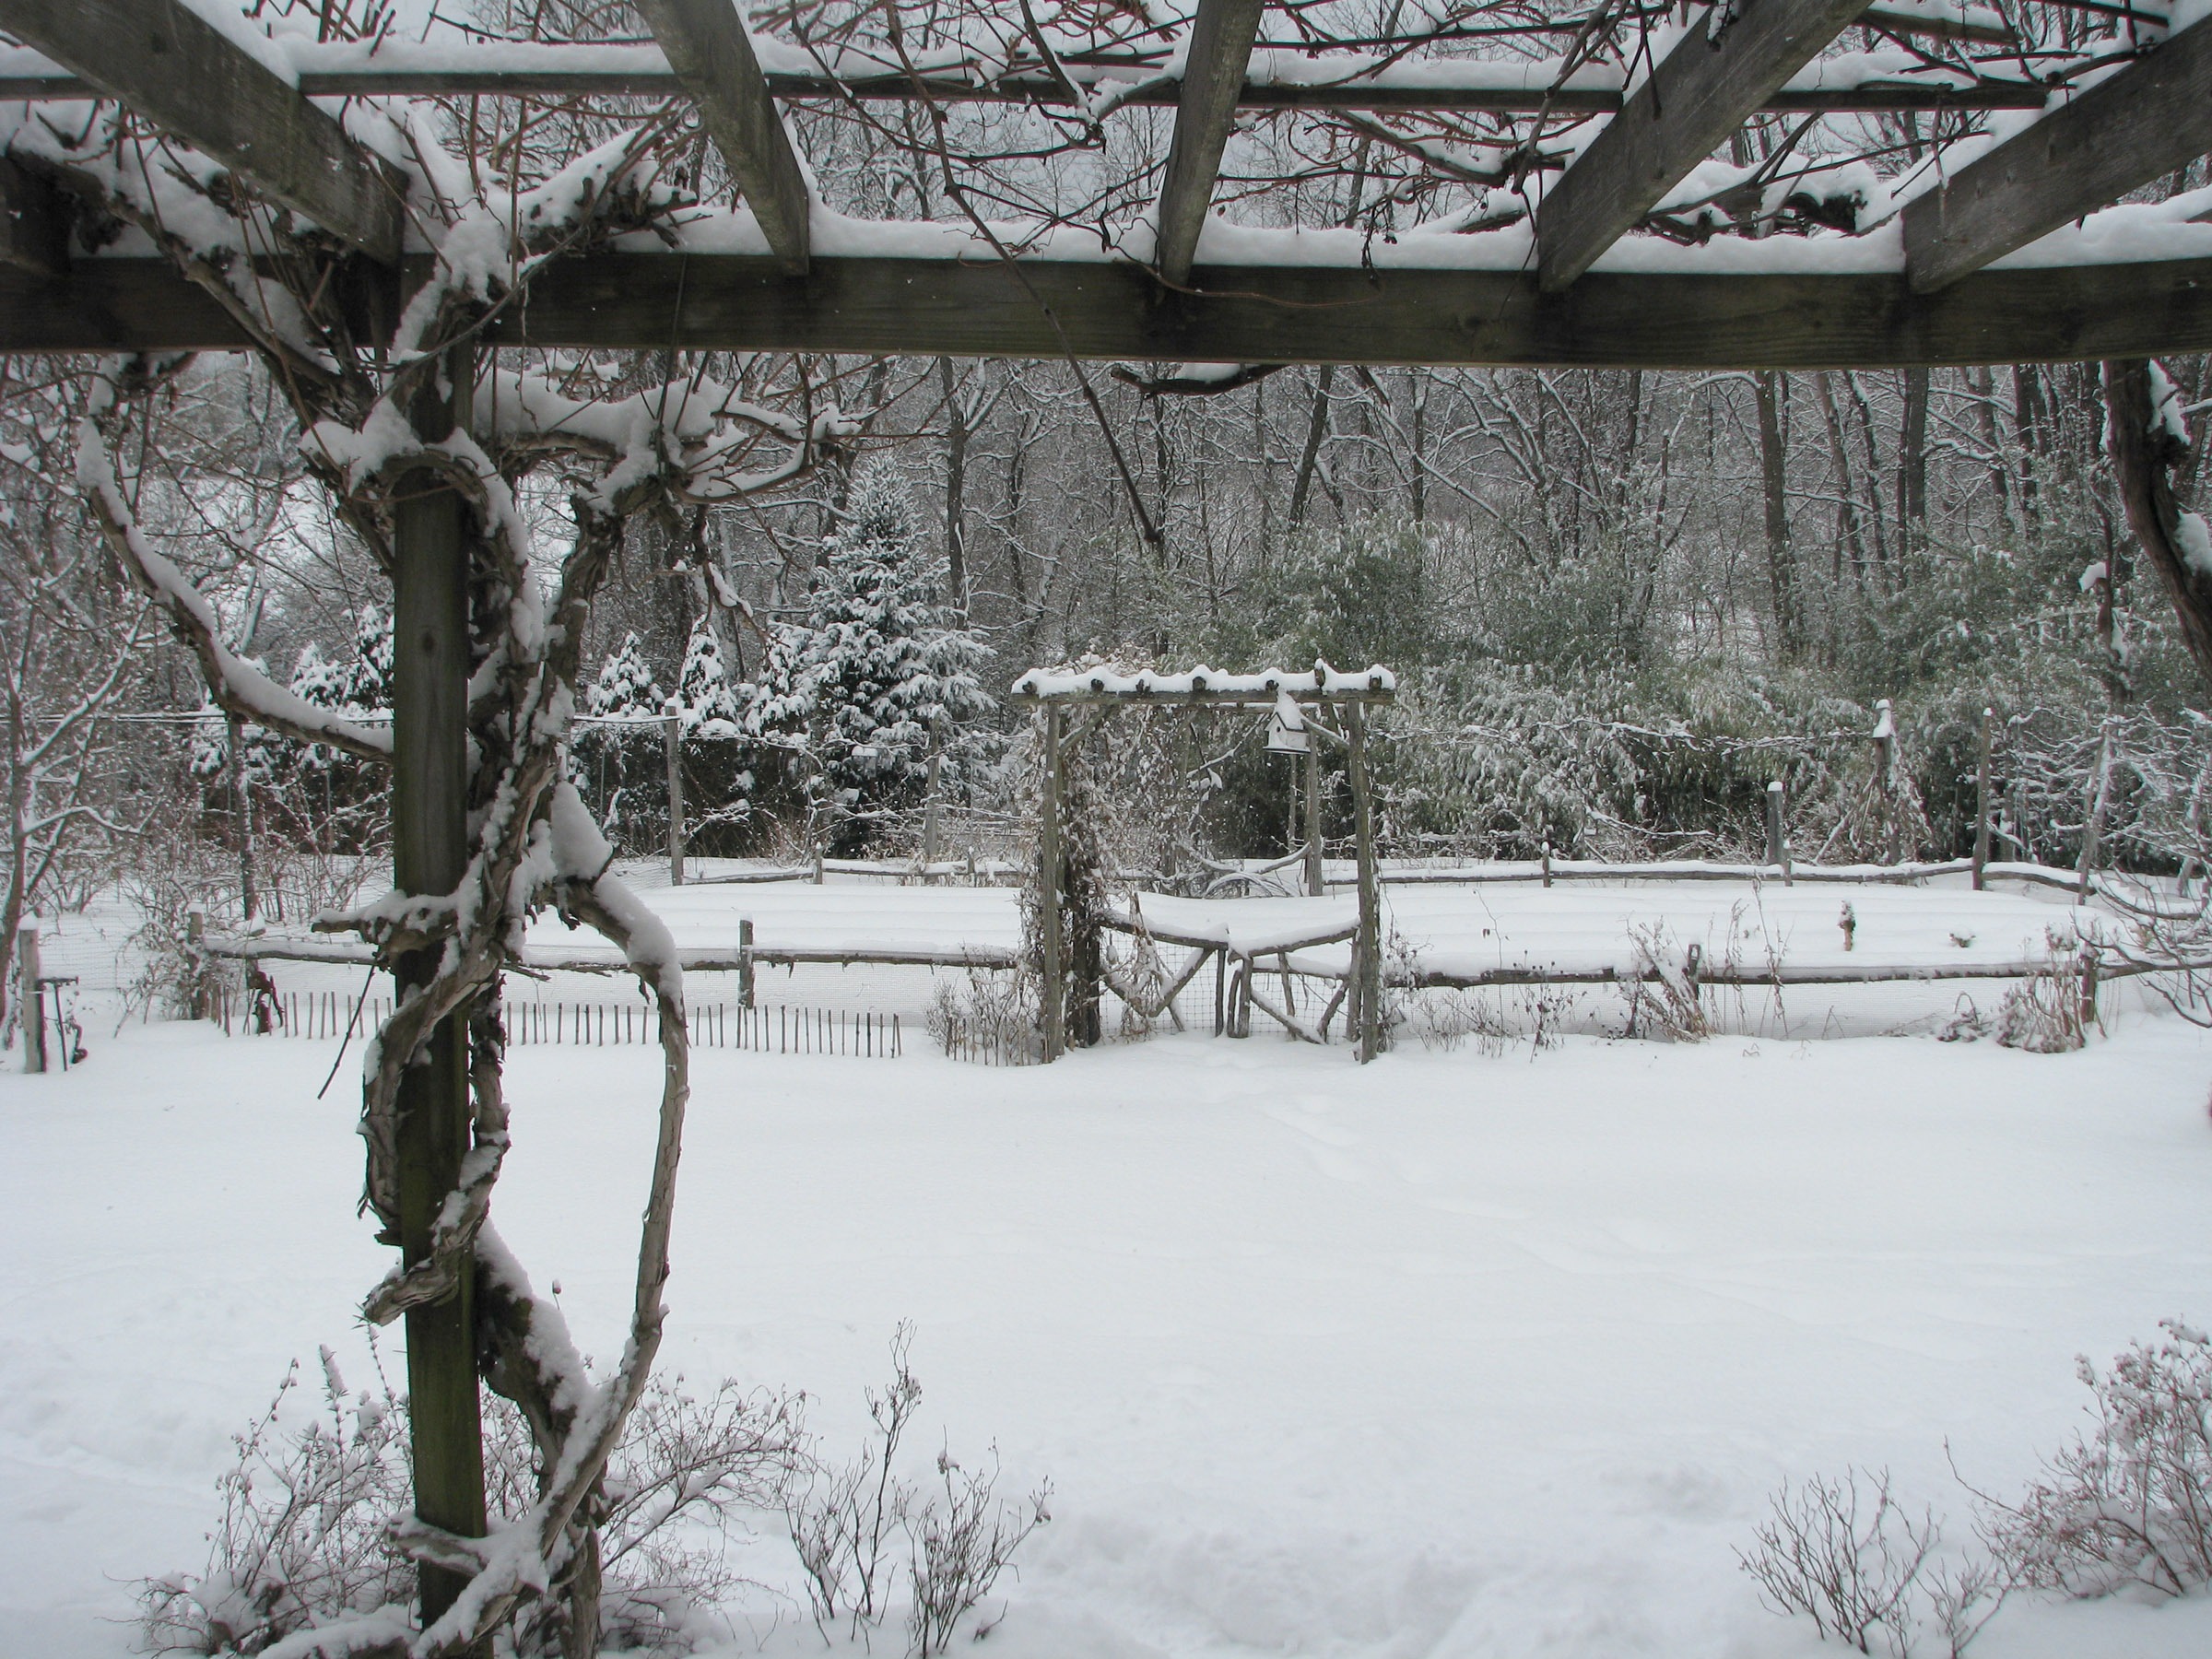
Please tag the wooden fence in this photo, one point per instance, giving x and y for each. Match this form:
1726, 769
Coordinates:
778, 1030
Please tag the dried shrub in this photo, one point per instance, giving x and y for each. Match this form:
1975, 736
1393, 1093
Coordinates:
1842, 1553
2044, 1013
304, 1537
993, 1013
2130, 1503
845, 1522
1665, 1001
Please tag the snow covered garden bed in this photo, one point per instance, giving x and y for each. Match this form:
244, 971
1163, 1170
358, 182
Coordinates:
1457, 1354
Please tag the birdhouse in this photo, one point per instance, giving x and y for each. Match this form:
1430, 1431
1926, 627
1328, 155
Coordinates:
1287, 727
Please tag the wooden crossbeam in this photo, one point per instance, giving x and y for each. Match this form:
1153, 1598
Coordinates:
1254, 315
592, 75
1717, 75
2151, 118
712, 56
1220, 48
162, 59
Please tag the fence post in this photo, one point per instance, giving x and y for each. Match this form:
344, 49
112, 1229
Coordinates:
1315, 883
1054, 1034
672, 729
1367, 960
1778, 851
1981, 801
2100, 801
196, 933
1548, 864
31, 999
1885, 773
744, 962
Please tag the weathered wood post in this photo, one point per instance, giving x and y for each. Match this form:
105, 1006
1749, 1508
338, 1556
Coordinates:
2101, 787
429, 855
1314, 883
744, 962
672, 737
1983, 805
1366, 958
242, 807
31, 999
195, 934
1778, 845
1885, 773
1048, 893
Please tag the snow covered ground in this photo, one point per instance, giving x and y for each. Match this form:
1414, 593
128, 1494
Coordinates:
1454, 1355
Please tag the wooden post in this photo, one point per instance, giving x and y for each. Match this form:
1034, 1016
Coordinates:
1885, 773
31, 999
1314, 883
1983, 807
1048, 893
744, 962
1220, 990
2100, 803
1777, 801
1546, 864
195, 930
1367, 956
672, 730
242, 809
429, 854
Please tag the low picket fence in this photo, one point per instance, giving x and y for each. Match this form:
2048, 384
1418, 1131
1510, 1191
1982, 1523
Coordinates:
781, 1029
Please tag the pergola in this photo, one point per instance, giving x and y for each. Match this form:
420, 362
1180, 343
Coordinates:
1618, 184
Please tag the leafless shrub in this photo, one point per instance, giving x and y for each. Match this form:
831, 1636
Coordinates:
2043, 1014
301, 1536
1963, 1596
1845, 1555
1665, 1001
1444, 1018
994, 1011
960, 1547
844, 1519
2130, 1503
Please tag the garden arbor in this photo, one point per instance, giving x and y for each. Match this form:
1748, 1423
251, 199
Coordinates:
1765, 184
1342, 702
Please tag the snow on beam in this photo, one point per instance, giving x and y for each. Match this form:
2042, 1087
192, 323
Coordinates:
1280, 314
1725, 67
710, 52
1213, 75
162, 59
2150, 119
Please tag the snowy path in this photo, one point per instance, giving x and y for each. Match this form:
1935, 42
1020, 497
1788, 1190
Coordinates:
1450, 1356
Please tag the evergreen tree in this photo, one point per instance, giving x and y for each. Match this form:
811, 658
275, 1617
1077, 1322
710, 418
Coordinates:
625, 684
879, 666
703, 688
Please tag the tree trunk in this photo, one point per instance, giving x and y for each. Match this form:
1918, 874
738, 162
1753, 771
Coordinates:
1912, 468
2146, 442
956, 488
1773, 465
1316, 429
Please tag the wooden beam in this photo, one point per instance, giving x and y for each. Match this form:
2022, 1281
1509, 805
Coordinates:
1256, 315
2150, 119
711, 53
591, 76
34, 222
1696, 96
163, 61
1213, 75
